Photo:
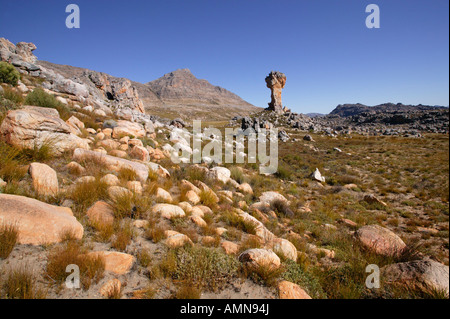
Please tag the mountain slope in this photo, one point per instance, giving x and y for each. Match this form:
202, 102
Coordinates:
181, 90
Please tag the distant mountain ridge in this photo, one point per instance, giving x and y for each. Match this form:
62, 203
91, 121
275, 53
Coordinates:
347, 110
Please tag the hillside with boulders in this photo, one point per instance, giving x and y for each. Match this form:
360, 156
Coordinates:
88, 180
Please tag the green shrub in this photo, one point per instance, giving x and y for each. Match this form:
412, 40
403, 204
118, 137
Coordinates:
39, 97
207, 268
8, 74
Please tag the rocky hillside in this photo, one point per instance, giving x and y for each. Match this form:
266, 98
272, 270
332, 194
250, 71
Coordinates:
176, 95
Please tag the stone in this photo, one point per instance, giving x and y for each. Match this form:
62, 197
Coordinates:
115, 262
168, 211
323, 251
255, 258
135, 187
127, 128
75, 168
426, 273
372, 199
45, 179
140, 153
135, 142
163, 195
245, 188
271, 197
188, 185
109, 144
112, 162
276, 81
318, 176
260, 230
221, 174
85, 179
110, 180
308, 138
196, 219
32, 127
100, 213
186, 207
116, 192
178, 240
230, 247
289, 290
192, 197
380, 240
38, 223
118, 153
285, 247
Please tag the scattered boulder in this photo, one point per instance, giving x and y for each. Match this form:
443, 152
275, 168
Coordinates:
284, 247
289, 290
38, 223
220, 174
168, 211
372, 199
380, 240
116, 192
45, 179
163, 195
110, 180
426, 274
255, 258
100, 213
178, 240
115, 262
230, 247
318, 176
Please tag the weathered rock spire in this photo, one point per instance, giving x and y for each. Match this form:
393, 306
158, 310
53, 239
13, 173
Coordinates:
275, 82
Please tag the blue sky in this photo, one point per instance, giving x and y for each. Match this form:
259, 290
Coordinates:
323, 46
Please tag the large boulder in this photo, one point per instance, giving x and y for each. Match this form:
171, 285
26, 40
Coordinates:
38, 223
45, 179
427, 274
32, 127
380, 240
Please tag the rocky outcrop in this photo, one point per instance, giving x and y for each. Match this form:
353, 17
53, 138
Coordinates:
38, 223
276, 81
32, 127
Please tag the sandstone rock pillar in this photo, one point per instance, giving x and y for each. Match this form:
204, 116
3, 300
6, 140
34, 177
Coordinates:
275, 82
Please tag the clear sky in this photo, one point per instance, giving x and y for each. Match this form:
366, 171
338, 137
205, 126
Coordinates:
323, 46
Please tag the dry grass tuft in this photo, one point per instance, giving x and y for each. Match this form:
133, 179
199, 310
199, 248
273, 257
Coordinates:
8, 238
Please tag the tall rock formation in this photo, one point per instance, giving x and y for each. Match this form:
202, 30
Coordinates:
276, 82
